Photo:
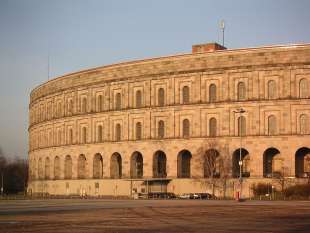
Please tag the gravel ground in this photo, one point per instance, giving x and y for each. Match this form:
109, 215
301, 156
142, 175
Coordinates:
115, 216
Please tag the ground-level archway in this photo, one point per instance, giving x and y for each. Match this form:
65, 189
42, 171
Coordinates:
245, 167
302, 162
47, 174
136, 165
57, 168
184, 164
97, 166
272, 163
116, 166
211, 165
82, 167
159, 164
68, 167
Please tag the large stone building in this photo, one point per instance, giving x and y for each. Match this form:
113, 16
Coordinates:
174, 124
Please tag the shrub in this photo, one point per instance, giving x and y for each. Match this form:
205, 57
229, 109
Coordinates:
261, 189
298, 191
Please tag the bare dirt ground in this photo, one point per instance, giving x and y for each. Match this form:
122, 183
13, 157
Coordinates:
113, 216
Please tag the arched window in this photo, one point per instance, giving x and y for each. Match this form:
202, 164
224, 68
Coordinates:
304, 126
42, 113
99, 103
272, 89
212, 93
186, 128
41, 138
40, 169
50, 138
116, 166
97, 166
59, 137
161, 97
99, 133
39, 113
70, 107
136, 165
272, 125
185, 94
118, 132
59, 109
82, 167
138, 131
212, 127
68, 167
49, 110
84, 135
84, 105
70, 136
118, 101
161, 129
138, 99
241, 91
303, 88
47, 174
57, 168
241, 126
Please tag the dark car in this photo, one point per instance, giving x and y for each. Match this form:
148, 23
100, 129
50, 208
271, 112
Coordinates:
161, 195
171, 195
204, 196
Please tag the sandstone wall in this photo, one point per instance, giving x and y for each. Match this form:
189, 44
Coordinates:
78, 113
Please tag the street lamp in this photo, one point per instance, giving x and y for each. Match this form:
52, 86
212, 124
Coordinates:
2, 183
240, 111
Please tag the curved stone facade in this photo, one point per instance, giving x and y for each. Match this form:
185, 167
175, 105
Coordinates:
154, 124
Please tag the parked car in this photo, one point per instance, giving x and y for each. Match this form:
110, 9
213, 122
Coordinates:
205, 196
196, 196
161, 195
185, 196
171, 195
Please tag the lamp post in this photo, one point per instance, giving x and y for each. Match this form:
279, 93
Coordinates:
240, 111
2, 183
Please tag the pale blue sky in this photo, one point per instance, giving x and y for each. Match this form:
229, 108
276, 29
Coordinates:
84, 34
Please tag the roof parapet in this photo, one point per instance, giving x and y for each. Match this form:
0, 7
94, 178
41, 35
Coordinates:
208, 47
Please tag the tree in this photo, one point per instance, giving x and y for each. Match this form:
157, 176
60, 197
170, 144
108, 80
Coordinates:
216, 165
3, 163
15, 174
281, 180
225, 168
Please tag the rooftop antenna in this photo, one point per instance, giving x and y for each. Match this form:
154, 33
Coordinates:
222, 26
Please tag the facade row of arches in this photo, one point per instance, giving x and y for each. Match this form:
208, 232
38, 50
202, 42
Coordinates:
47, 110
214, 164
84, 134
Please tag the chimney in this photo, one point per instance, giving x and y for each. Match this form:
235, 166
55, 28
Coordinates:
208, 47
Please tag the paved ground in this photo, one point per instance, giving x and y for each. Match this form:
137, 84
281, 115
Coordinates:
124, 216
